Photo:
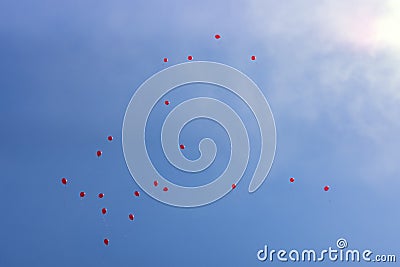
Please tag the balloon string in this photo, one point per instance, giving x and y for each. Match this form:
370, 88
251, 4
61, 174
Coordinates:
106, 225
65, 197
64, 213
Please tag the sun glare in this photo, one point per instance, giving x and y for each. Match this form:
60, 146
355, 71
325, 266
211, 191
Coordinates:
388, 25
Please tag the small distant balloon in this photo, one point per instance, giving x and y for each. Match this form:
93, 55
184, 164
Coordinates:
165, 189
110, 138
131, 217
104, 210
106, 241
64, 181
101, 195
291, 179
137, 193
166, 102
233, 186
182, 146
253, 57
155, 183
82, 194
165, 60
99, 153
326, 188
190, 57
217, 36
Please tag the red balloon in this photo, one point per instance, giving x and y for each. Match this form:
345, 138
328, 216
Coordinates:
217, 36
253, 57
106, 241
166, 102
101, 195
82, 194
182, 146
64, 181
156, 183
233, 186
189, 57
104, 210
137, 193
165, 189
110, 138
326, 188
99, 153
165, 59
291, 180
131, 217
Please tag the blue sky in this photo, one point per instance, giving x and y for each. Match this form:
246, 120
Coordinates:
329, 70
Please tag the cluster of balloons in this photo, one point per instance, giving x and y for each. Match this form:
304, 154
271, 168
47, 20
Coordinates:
190, 57
101, 195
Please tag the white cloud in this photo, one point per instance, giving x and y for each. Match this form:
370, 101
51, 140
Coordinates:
346, 57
